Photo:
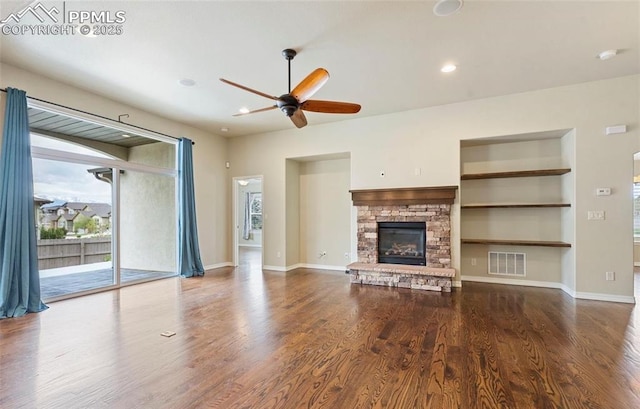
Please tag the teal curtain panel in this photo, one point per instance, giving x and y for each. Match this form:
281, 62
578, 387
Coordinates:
19, 275
189, 262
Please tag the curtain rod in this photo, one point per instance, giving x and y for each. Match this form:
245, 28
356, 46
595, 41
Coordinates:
98, 116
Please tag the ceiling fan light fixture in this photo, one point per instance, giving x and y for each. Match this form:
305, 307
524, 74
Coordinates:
297, 100
444, 8
288, 104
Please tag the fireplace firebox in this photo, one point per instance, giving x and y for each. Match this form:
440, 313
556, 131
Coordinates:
402, 243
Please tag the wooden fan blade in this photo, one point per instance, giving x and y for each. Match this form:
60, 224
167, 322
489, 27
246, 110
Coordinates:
262, 94
330, 107
312, 83
299, 119
256, 110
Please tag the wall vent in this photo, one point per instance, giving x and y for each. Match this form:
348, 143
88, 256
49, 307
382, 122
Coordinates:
507, 264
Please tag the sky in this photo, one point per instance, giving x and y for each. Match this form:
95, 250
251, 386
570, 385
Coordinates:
67, 181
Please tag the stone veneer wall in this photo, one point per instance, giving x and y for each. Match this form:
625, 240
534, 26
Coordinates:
437, 218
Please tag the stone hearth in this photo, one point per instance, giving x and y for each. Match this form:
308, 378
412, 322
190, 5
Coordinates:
430, 205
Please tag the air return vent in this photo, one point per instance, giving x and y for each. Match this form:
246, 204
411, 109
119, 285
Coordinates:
507, 264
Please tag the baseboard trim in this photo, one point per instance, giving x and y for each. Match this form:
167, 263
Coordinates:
546, 284
322, 267
511, 281
294, 266
456, 283
304, 265
274, 268
219, 265
606, 297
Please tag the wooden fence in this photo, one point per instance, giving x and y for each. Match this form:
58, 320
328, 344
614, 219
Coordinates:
73, 252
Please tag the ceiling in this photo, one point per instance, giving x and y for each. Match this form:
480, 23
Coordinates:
385, 55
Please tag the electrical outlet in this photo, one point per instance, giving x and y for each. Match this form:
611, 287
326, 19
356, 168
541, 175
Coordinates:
346, 255
610, 275
474, 261
322, 254
382, 173
278, 254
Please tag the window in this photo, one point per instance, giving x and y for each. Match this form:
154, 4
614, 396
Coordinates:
255, 211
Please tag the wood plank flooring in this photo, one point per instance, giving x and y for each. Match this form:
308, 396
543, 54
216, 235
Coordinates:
308, 339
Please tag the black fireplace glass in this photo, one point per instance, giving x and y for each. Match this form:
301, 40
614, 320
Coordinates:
402, 243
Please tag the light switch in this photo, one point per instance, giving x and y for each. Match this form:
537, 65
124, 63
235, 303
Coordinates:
603, 191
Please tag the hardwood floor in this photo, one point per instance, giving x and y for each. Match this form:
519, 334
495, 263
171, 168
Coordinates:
307, 338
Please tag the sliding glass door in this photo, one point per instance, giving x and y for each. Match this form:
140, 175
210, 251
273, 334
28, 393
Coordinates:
103, 222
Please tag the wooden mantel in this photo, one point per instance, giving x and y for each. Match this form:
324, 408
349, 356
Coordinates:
404, 196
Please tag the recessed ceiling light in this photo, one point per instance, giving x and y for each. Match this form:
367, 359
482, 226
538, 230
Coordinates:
224, 129
605, 55
445, 8
124, 135
244, 110
448, 68
187, 82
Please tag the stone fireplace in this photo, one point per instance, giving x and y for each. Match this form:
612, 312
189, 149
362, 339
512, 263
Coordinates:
427, 206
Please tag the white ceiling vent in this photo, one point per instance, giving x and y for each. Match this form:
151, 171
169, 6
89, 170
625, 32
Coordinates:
507, 264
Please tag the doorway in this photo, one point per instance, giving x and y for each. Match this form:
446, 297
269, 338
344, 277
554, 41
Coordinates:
248, 232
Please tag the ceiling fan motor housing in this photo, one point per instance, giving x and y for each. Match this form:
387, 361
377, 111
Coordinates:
288, 104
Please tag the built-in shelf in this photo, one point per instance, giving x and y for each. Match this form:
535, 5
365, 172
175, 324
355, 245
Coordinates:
512, 205
516, 174
538, 243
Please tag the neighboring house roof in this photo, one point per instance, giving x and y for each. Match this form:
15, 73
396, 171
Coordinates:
53, 206
88, 209
77, 205
101, 209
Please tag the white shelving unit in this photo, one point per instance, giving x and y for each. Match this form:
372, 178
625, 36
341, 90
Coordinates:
516, 195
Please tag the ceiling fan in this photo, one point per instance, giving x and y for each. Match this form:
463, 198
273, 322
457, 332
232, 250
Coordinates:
297, 100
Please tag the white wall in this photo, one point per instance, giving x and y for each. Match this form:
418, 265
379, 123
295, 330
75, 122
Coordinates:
429, 139
325, 212
212, 184
636, 245
291, 221
148, 212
